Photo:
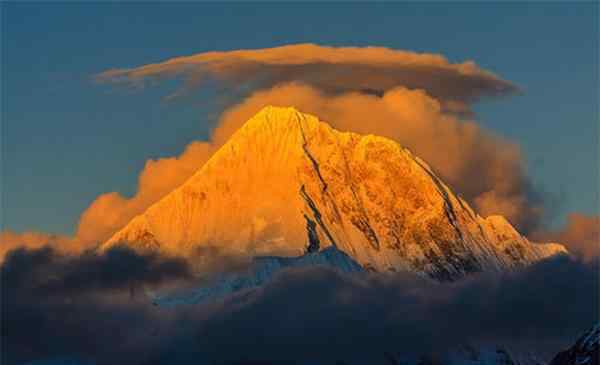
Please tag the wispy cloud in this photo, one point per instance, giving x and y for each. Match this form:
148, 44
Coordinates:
328, 69
581, 235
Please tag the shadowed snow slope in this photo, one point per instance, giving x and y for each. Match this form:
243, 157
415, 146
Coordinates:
586, 351
286, 179
261, 271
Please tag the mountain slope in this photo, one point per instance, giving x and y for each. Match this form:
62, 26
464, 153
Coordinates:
285, 181
585, 351
261, 271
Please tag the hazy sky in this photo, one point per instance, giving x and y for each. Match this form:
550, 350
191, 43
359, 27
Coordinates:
65, 139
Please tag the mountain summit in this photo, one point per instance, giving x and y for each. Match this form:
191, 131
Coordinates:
286, 183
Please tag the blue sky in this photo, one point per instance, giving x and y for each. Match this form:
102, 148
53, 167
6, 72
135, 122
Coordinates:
65, 140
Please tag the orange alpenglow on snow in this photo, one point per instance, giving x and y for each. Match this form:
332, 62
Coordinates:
285, 177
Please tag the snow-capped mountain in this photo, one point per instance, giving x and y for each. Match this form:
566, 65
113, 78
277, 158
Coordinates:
286, 183
585, 351
260, 271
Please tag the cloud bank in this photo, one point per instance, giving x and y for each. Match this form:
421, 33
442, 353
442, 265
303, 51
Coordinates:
10, 240
111, 211
581, 235
54, 302
89, 309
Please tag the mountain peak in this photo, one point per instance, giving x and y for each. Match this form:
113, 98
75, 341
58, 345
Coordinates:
275, 113
274, 118
286, 182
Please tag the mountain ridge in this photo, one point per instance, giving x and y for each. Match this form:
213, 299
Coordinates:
285, 181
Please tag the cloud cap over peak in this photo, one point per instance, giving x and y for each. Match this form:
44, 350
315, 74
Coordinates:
330, 69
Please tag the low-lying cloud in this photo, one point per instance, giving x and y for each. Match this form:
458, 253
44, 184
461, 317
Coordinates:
10, 240
581, 235
321, 312
85, 307
55, 303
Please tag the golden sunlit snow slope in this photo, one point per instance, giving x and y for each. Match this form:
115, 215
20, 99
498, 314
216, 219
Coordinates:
285, 176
